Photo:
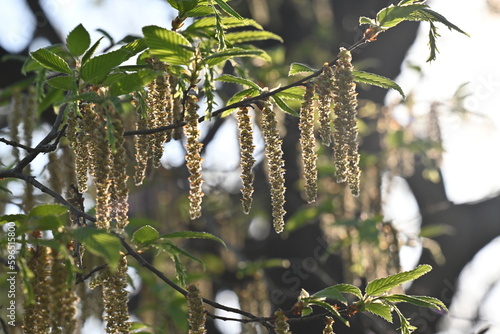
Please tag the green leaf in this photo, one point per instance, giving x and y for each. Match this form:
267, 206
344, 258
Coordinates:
237, 80
433, 35
78, 41
63, 83
330, 309
124, 83
299, 68
90, 52
145, 235
87, 97
44, 223
381, 285
240, 96
382, 310
426, 14
209, 23
51, 61
167, 45
391, 16
100, 243
283, 106
406, 327
250, 36
97, 69
228, 9
48, 210
336, 291
293, 93
183, 6
13, 218
192, 235
218, 57
422, 301
367, 20
377, 80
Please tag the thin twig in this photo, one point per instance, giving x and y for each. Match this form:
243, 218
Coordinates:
243, 103
16, 144
83, 278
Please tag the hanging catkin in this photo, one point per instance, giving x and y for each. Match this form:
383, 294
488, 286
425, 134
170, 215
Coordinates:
308, 144
246, 156
275, 162
346, 131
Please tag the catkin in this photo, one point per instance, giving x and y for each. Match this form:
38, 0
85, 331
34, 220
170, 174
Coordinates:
63, 307
193, 158
196, 311
141, 144
308, 144
280, 321
346, 131
115, 298
246, 159
37, 314
325, 96
275, 162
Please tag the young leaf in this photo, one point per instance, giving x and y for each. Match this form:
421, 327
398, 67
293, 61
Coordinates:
382, 310
51, 61
228, 9
381, 285
330, 309
167, 45
422, 301
283, 106
78, 41
145, 235
250, 36
192, 235
250, 92
406, 327
391, 16
237, 80
426, 14
298, 68
377, 80
124, 83
332, 292
100, 243
183, 6
63, 83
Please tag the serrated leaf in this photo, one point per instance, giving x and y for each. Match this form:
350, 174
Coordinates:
377, 80
422, 301
51, 61
330, 309
250, 92
283, 106
336, 291
63, 83
391, 16
100, 243
218, 57
299, 68
78, 41
90, 52
96, 69
199, 11
87, 97
237, 80
367, 20
48, 210
427, 14
124, 83
381, 285
192, 235
228, 22
145, 235
44, 223
382, 310
181, 251
228, 9
406, 327
250, 36
293, 93
183, 6
169, 46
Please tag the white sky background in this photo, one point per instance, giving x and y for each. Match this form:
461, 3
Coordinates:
472, 160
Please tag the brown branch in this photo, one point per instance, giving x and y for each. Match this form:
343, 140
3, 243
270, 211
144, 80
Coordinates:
15, 144
83, 278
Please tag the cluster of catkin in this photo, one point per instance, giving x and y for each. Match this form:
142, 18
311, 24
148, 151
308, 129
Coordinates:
53, 309
95, 133
334, 85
